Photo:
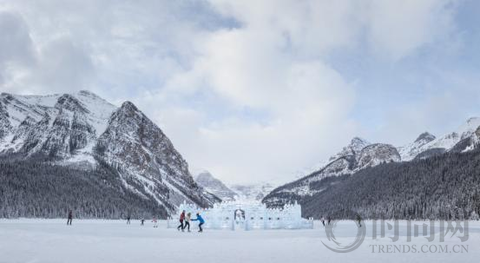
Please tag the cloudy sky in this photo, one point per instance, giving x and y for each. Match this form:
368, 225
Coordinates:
256, 90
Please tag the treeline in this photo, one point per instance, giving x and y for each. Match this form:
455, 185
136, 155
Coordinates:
42, 189
441, 187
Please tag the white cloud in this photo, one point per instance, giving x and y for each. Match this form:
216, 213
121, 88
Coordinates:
16, 49
253, 67
244, 88
398, 28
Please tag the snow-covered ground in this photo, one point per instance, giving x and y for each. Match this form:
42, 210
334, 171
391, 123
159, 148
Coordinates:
28, 240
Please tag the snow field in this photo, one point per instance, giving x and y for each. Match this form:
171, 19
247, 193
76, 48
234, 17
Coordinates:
37, 240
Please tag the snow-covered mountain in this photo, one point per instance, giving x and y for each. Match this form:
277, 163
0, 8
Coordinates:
357, 155
62, 126
409, 151
251, 192
360, 154
215, 186
464, 138
237, 192
83, 130
355, 146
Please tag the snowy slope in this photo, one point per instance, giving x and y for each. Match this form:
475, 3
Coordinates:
136, 146
64, 126
251, 192
358, 155
83, 129
448, 141
409, 151
464, 138
355, 146
215, 186
239, 192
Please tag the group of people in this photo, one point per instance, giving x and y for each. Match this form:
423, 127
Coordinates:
185, 221
358, 220
328, 220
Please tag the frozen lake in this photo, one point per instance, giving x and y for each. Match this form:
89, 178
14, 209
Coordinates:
29, 240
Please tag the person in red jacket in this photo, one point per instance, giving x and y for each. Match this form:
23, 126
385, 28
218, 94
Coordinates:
182, 218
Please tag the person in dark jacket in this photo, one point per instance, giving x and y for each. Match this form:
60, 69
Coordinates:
70, 218
182, 218
359, 220
200, 220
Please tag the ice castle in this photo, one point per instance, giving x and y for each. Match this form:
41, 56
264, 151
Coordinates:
235, 215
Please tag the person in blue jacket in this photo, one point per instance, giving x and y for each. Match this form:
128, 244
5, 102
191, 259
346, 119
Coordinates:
200, 221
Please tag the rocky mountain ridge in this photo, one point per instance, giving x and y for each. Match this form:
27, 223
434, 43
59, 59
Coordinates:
215, 186
361, 154
83, 130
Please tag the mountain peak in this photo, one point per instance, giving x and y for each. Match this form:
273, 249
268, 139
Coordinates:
473, 120
358, 140
88, 93
357, 144
425, 136
82, 130
128, 105
215, 186
204, 175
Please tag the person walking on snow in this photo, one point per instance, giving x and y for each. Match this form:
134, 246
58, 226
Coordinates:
359, 220
188, 218
182, 218
154, 220
70, 218
128, 220
200, 221
323, 221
